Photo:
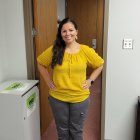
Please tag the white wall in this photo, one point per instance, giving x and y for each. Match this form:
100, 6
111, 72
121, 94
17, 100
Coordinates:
12, 41
3, 58
61, 9
122, 70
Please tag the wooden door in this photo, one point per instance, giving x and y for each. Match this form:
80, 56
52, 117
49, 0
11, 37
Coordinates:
88, 14
45, 22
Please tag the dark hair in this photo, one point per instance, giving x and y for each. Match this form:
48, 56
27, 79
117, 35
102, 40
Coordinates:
59, 44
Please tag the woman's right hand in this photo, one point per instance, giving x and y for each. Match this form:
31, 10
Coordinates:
46, 76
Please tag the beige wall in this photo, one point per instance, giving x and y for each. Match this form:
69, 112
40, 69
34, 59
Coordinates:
12, 38
121, 86
61, 9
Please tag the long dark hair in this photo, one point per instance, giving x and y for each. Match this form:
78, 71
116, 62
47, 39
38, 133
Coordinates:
59, 44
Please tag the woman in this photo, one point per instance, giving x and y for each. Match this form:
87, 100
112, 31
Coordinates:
69, 88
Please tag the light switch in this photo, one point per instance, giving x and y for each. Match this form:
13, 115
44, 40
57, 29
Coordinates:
127, 43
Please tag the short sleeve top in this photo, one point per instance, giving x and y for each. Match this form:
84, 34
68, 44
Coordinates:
69, 76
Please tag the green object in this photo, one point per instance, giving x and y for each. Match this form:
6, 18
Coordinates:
31, 100
14, 86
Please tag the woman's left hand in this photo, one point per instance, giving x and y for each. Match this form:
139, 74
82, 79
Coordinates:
86, 84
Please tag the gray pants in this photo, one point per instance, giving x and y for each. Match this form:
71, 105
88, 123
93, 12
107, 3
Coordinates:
69, 118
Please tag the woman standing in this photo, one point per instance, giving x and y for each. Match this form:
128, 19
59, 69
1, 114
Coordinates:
69, 88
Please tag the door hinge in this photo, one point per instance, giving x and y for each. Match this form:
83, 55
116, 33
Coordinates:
66, 3
94, 43
34, 32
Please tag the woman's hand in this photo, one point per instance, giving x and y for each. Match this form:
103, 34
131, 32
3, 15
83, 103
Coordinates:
46, 76
86, 84
51, 85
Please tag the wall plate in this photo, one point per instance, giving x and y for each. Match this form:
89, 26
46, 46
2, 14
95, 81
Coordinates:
127, 43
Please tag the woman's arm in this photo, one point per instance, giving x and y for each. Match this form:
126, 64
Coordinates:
46, 76
92, 77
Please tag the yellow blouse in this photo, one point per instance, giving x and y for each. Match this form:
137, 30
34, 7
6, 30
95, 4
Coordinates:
69, 76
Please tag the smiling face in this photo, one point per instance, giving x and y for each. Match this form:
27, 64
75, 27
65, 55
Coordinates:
69, 33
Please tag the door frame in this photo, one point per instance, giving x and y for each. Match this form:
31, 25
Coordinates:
105, 38
31, 59
29, 45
